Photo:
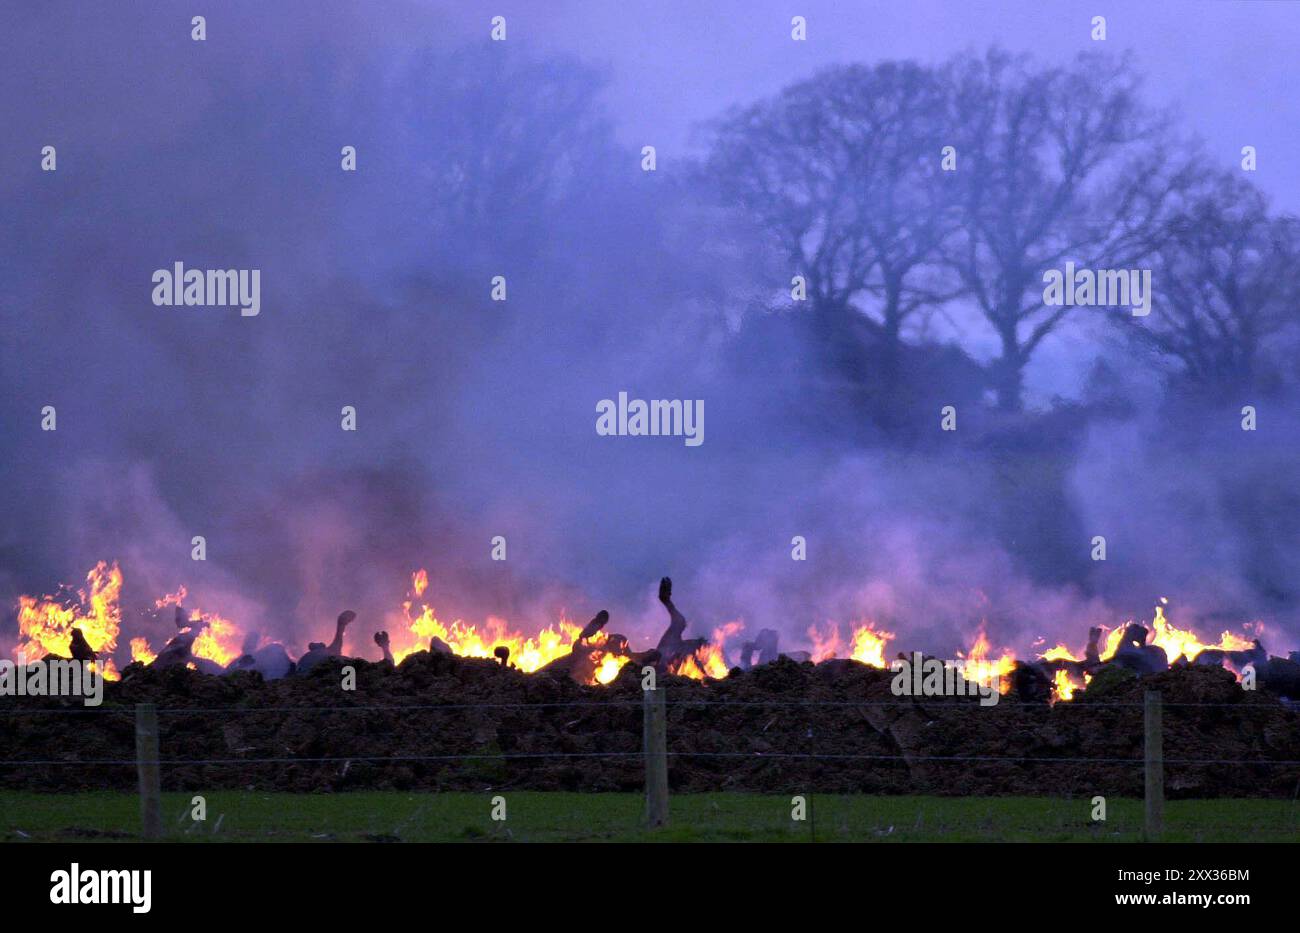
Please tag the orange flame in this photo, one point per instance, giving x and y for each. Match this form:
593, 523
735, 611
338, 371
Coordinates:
608, 666
868, 645
688, 667
984, 671
826, 642
220, 641
45, 625
1060, 653
710, 661
1184, 643
1064, 686
172, 599
140, 650
1178, 642
527, 653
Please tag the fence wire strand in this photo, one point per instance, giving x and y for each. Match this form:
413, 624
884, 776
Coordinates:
926, 704
680, 703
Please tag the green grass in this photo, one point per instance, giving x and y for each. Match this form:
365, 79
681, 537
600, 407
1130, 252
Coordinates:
535, 816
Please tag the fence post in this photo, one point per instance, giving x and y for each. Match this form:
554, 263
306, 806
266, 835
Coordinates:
656, 757
1153, 824
146, 758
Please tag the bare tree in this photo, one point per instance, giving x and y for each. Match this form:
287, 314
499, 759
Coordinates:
1227, 277
842, 171
491, 149
1055, 164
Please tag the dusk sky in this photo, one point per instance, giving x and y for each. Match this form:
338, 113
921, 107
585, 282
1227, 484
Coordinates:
225, 152
1227, 66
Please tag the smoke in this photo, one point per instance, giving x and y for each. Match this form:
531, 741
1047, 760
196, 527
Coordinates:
1198, 510
476, 418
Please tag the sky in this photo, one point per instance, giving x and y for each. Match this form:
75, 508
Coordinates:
226, 150
1228, 66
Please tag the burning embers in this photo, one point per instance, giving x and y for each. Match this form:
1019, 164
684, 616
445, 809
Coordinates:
85, 626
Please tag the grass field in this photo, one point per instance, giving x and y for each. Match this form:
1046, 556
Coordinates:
234, 816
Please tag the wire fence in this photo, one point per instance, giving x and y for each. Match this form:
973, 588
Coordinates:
679, 703
607, 704
656, 752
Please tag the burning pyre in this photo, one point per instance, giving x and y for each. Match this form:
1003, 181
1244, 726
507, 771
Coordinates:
210, 643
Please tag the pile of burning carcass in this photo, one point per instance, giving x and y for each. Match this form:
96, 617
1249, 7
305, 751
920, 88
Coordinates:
503, 717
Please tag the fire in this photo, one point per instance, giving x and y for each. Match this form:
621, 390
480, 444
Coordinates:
710, 661
983, 671
140, 650
530, 653
172, 599
609, 666
1060, 653
220, 641
868, 645
1178, 642
826, 643
45, 625
688, 667
527, 653
1065, 686
706, 664
1113, 638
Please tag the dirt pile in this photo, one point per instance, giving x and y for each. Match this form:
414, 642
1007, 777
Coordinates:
438, 721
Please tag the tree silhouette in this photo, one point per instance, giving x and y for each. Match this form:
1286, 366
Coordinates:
1227, 277
1055, 164
842, 170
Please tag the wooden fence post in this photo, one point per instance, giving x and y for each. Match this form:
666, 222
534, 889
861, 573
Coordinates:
656, 757
146, 757
1153, 823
